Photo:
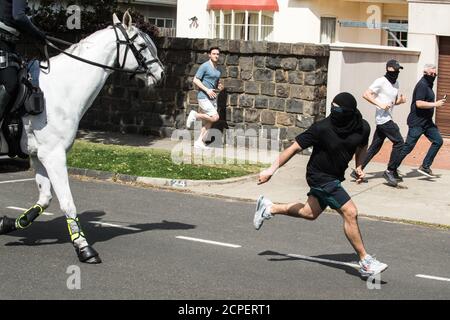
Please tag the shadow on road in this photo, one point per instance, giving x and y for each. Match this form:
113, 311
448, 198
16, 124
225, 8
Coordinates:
342, 257
55, 231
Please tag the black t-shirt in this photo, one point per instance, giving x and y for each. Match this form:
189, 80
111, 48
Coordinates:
331, 153
421, 117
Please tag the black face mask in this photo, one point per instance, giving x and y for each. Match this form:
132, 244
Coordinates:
392, 76
430, 79
345, 121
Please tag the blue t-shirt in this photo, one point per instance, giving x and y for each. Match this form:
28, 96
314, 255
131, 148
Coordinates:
421, 117
209, 76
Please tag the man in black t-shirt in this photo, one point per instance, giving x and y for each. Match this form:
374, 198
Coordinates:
335, 140
420, 121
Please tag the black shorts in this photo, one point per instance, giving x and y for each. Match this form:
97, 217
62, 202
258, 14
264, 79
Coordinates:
331, 194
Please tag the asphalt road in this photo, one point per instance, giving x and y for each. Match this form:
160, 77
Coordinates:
144, 238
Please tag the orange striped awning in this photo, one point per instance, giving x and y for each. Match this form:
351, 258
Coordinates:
251, 5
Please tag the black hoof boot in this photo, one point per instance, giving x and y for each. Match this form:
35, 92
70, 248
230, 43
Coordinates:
88, 255
7, 225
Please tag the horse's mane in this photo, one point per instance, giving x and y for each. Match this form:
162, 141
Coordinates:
75, 47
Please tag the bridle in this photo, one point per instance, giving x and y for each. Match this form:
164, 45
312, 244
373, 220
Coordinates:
143, 63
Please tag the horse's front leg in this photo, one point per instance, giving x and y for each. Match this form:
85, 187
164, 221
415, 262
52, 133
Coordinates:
54, 162
25, 220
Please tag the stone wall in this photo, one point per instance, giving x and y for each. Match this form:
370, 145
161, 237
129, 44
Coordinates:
274, 86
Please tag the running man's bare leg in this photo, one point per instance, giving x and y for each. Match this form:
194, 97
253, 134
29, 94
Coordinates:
309, 211
350, 214
207, 124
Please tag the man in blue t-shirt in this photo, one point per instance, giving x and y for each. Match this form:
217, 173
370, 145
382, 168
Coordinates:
420, 121
207, 79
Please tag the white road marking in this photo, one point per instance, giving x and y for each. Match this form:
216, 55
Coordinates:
105, 224
210, 242
432, 277
16, 181
23, 210
348, 264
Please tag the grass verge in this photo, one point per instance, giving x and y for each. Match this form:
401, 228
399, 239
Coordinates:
146, 162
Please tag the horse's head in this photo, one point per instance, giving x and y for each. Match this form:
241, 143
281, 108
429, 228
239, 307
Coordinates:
143, 57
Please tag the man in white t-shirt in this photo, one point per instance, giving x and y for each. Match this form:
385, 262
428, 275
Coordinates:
383, 94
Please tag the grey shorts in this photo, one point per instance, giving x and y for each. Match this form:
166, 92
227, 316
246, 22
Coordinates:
208, 106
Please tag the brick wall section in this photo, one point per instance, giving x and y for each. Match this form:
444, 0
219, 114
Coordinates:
268, 86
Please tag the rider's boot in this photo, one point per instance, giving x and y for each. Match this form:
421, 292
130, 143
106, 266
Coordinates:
4, 101
84, 251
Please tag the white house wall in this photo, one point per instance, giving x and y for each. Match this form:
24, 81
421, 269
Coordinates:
427, 21
187, 9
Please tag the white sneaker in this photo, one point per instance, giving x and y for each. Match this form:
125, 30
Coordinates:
200, 145
262, 213
191, 119
371, 266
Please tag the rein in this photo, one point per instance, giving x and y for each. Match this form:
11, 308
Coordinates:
143, 64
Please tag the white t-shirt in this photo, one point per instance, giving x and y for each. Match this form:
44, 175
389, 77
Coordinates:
386, 93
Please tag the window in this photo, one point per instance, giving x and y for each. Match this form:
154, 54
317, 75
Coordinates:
242, 25
161, 22
327, 30
401, 36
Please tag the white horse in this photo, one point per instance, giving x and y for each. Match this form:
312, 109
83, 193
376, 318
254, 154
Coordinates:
69, 89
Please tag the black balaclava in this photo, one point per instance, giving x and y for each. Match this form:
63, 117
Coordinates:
392, 76
345, 118
430, 79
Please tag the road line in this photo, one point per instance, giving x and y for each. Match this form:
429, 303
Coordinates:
16, 181
23, 210
210, 242
105, 224
348, 264
432, 277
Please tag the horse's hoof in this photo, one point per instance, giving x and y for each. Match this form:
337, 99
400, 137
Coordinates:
88, 255
7, 225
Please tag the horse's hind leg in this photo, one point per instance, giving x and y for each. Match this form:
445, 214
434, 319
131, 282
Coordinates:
45, 196
25, 220
54, 162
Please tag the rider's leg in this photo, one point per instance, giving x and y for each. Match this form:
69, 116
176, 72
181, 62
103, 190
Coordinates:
54, 161
5, 98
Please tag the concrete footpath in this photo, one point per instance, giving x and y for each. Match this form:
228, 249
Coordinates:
418, 198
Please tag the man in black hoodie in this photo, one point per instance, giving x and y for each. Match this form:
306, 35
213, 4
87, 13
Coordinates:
420, 121
13, 22
335, 140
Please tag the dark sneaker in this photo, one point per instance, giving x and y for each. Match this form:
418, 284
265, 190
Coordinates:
389, 176
426, 172
397, 176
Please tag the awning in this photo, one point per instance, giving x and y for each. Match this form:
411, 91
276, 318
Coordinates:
251, 5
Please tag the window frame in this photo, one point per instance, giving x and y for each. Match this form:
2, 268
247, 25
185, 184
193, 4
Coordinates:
220, 23
335, 29
397, 33
165, 21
